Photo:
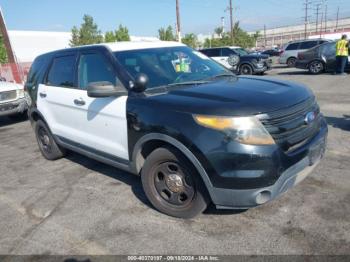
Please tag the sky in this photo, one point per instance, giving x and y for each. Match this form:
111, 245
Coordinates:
145, 17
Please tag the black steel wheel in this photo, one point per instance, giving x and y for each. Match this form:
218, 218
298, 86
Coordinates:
47, 145
172, 184
246, 70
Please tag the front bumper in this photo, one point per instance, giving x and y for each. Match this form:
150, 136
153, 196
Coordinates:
225, 198
14, 107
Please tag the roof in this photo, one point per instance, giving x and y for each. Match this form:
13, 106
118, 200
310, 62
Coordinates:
125, 46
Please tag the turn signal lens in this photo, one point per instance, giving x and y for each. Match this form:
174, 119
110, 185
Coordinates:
246, 130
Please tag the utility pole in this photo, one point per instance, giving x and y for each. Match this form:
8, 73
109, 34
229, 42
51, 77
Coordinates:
178, 22
321, 25
265, 42
317, 16
231, 21
307, 6
325, 18
10, 54
337, 23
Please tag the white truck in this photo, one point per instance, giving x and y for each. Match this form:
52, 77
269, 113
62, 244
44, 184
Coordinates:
12, 100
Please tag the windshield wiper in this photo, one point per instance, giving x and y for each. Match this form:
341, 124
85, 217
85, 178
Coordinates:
188, 83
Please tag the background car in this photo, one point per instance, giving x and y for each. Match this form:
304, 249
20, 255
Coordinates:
239, 60
12, 100
319, 59
290, 51
272, 52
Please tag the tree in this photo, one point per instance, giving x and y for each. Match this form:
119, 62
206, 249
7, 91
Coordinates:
110, 37
121, 34
166, 34
219, 31
190, 40
241, 38
87, 34
3, 53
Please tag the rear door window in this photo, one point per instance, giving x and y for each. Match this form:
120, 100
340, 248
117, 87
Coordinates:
308, 44
212, 52
227, 52
294, 46
62, 72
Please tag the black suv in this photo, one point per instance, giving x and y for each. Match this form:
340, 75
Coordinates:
319, 59
192, 130
239, 60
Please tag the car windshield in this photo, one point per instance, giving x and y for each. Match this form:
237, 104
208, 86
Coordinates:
171, 66
241, 51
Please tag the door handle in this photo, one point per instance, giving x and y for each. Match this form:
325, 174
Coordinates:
42, 95
79, 102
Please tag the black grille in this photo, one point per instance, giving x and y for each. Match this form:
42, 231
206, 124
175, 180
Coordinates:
288, 126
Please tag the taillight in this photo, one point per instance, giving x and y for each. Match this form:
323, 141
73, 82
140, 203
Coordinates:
281, 53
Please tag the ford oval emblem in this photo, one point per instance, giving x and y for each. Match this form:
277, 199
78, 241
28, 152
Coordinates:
310, 117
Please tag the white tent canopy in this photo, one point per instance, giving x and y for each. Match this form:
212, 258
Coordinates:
29, 44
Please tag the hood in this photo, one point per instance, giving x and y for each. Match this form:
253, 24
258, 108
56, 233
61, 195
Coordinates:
235, 96
8, 86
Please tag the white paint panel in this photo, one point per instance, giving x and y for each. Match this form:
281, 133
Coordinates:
100, 124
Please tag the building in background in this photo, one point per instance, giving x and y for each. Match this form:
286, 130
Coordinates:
281, 35
27, 45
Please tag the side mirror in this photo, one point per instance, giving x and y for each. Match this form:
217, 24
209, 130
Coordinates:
104, 89
140, 83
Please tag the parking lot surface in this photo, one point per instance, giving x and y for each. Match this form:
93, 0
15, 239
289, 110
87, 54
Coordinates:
79, 206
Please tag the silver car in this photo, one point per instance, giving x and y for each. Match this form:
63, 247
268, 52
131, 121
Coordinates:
290, 51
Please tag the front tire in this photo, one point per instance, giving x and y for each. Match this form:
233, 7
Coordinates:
47, 145
172, 184
246, 70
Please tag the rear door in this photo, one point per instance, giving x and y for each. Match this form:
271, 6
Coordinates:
56, 95
215, 54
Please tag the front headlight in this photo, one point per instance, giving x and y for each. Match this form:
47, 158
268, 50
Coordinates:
20, 93
245, 130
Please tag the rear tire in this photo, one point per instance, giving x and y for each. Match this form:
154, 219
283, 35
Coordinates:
291, 62
47, 145
172, 184
316, 67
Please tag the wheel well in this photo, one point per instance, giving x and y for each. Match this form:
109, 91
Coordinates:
35, 116
147, 148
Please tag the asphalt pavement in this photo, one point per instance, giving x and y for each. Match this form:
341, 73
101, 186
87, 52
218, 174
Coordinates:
79, 206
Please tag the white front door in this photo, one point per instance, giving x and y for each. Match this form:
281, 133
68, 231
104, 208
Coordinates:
102, 121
